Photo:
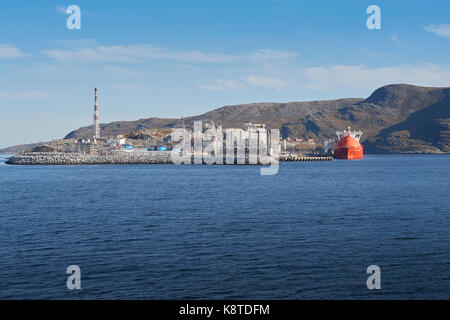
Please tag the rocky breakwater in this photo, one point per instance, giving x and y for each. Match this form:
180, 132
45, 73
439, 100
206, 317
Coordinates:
149, 157
294, 157
44, 158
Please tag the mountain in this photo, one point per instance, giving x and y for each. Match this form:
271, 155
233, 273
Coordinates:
20, 148
121, 127
274, 115
424, 124
397, 118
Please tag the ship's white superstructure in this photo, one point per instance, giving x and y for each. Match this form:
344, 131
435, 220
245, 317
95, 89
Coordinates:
354, 134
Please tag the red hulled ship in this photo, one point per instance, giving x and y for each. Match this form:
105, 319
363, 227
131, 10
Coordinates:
348, 146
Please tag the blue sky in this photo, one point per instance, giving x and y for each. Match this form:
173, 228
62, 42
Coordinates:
181, 58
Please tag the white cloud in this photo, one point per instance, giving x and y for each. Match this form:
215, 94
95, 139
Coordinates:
24, 95
223, 85
266, 82
9, 51
339, 78
63, 10
75, 44
442, 30
122, 71
138, 53
268, 54
361, 77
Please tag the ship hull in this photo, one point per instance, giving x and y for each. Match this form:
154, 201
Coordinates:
349, 153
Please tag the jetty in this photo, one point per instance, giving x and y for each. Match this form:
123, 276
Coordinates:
57, 158
295, 157
149, 157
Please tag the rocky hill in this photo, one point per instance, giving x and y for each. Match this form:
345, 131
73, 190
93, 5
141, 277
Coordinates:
20, 148
121, 127
422, 126
396, 118
274, 115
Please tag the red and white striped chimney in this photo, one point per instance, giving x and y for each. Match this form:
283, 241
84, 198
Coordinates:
96, 120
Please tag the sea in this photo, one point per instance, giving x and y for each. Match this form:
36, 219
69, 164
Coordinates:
227, 232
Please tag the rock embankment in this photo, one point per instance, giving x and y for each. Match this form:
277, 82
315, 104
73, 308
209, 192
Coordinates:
149, 157
156, 157
293, 157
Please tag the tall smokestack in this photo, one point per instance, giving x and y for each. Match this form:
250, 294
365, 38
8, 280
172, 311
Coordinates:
96, 121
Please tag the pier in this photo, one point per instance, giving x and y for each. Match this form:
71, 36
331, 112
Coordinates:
56, 158
149, 157
294, 157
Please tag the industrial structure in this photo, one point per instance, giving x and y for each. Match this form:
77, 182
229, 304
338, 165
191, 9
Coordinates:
247, 143
96, 119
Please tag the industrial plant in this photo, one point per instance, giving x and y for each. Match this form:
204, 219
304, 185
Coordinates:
204, 142
147, 139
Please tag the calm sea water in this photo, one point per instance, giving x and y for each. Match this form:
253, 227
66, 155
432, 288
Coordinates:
226, 232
